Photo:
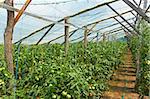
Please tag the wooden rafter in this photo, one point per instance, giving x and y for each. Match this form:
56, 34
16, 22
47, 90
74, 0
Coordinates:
81, 12
123, 18
45, 34
73, 32
91, 33
99, 22
138, 10
108, 26
124, 26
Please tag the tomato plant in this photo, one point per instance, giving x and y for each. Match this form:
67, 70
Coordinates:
44, 70
142, 43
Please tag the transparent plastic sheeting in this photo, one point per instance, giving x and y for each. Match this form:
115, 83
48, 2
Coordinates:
27, 24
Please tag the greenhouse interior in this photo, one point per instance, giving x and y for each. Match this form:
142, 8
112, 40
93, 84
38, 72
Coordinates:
75, 49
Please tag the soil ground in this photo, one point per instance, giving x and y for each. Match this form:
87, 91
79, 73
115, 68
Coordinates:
123, 82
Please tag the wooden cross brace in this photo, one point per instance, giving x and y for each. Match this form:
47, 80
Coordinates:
21, 11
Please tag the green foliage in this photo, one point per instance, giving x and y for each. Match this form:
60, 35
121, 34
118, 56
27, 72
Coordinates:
142, 43
44, 70
5, 76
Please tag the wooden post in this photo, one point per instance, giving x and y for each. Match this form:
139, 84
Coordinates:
8, 35
97, 37
85, 38
66, 36
108, 37
104, 36
145, 4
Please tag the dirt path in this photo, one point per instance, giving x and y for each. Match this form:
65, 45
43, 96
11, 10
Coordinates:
122, 85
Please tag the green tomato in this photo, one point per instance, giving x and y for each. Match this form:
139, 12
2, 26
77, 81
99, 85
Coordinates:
54, 96
52, 71
93, 87
90, 87
2, 69
6, 75
64, 93
36, 77
61, 74
50, 85
68, 96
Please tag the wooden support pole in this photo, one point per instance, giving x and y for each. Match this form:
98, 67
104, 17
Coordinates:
97, 37
85, 38
66, 36
21, 11
108, 37
104, 37
8, 35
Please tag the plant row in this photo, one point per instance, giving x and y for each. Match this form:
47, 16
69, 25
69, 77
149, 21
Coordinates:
45, 71
140, 47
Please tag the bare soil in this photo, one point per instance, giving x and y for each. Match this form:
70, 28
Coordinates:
123, 82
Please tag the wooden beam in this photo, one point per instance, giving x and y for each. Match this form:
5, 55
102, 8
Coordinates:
109, 17
123, 18
43, 28
138, 10
108, 26
96, 31
61, 37
104, 37
97, 36
45, 34
81, 12
21, 11
137, 13
66, 37
55, 39
10, 8
99, 22
31, 34
124, 26
90, 33
85, 38
115, 24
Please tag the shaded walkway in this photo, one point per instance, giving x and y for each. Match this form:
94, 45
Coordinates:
123, 82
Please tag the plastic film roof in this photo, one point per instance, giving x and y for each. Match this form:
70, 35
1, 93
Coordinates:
58, 9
